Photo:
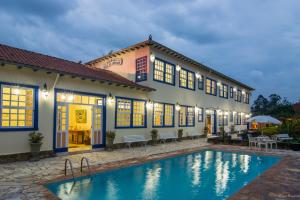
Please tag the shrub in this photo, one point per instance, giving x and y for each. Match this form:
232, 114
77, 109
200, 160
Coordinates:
269, 131
110, 134
35, 137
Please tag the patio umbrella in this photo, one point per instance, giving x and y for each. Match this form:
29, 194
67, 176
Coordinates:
264, 119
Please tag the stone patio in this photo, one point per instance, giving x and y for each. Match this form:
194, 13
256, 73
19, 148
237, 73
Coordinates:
23, 180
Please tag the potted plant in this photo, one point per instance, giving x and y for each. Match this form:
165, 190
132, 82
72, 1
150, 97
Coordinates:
180, 133
154, 136
232, 129
35, 140
110, 137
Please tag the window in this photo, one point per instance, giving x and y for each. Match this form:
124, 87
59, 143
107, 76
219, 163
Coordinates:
187, 79
200, 115
246, 98
238, 119
186, 116
211, 87
201, 82
141, 69
164, 72
163, 115
231, 92
238, 96
130, 113
223, 91
223, 120
18, 109
231, 116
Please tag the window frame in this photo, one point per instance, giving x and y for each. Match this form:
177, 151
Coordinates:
246, 98
35, 120
222, 95
201, 83
164, 111
143, 78
186, 116
131, 113
187, 79
238, 95
201, 114
238, 120
164, 72
231, 92
216, 86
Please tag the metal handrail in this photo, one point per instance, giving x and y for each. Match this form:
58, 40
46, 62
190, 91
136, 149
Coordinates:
71, 167
87, 163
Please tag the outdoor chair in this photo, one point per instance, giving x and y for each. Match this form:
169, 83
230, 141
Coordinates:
252, 140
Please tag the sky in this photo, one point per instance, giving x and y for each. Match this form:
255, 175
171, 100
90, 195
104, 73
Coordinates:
254, 41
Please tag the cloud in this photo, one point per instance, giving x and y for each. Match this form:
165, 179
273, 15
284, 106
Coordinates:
252, 40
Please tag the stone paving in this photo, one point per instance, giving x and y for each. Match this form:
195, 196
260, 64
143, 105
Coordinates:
23, 180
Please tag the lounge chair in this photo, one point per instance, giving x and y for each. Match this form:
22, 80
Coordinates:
129, 139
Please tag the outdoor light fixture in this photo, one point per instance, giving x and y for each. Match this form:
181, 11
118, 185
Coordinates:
63, 96
219, 84
149, 104
243, 92
177, 107
196, 108
70, 97
152, 57
198, 75
17, 91
226, 113
45, 92
234, 112
178, 68
110, 99
234, 89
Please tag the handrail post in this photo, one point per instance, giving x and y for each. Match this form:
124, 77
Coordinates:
71, 167
87, 163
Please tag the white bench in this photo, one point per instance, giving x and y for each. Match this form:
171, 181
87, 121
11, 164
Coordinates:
129, 139
194, 134
167, 136
282, 137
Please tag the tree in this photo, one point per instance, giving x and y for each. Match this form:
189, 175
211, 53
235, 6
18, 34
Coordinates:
273, 106
260, 105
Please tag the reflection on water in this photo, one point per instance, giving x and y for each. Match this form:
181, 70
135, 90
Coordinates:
222, 174
211, 175
151, 182
244, 162
196, 170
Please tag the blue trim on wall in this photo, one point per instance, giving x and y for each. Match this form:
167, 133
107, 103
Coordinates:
131, 114
216, 88
231, 92
186, 125
57, 90
143, 75
36, 108
187, 79
215, 122
173, 118
164, 75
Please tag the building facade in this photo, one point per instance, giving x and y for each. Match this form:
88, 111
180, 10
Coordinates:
132, 91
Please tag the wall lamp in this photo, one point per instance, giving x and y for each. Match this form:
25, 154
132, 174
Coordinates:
110, 99
149, 104
152, 57
177, 107
45, 92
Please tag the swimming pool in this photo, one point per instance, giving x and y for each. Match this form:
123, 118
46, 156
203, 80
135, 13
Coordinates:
202, 175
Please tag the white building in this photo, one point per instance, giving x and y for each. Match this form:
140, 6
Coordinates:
132, 91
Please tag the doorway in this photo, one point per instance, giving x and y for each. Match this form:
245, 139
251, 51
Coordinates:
208, 124
79, 121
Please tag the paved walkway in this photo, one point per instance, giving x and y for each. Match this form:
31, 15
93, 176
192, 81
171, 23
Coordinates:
21, 180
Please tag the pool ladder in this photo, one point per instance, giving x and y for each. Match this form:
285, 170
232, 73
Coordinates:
81, 166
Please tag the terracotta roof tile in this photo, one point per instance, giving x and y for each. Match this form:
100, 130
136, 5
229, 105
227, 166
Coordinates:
40, 61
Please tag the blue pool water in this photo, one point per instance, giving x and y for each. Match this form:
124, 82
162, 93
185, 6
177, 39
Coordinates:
203, 175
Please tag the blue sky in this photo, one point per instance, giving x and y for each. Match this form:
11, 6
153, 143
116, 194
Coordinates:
254, 41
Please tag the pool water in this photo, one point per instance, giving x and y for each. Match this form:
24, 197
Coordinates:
203, 175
